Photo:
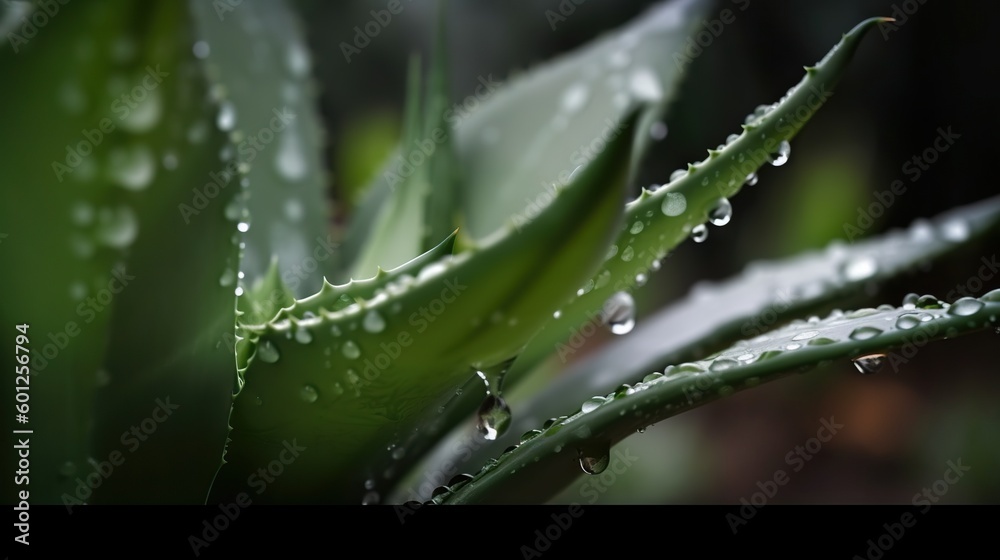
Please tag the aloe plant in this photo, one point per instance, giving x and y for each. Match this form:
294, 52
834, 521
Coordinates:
199, 304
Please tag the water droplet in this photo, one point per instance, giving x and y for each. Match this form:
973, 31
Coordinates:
618, 313
751, 179
805, 335
628, 254
864, 333
228, 277
297, 59
658, 130
238, 291
350, 350
201, 49
677, 174
993, 295
955, 230
145, 115
723, 364
907, 321
869, 364
594, 457
644, 85
243, 227
309, 394
132, 168
591, 404
575, 97
494, 417
303, 336
373, 322
226, 119
965, 306
781, 156
699, 233
556, 314
636, 228
291, 161
117, 227
860, 269
267, 352
640, 279
398, 453
928, 302
721, 213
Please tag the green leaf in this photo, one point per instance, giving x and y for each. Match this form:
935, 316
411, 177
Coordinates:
65, 220
562, 449
388, 359
764, 295
660, 220
259, 66
531, 133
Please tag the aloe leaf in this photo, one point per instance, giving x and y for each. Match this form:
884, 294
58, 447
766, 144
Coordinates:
387, 359
65, 220
582, 442
139, 332
259, 65
419, 209
660, 220
764, 295
550, 120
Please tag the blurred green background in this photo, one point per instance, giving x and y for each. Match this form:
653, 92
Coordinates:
932, 71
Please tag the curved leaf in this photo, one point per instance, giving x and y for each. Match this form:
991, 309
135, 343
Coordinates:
560, 450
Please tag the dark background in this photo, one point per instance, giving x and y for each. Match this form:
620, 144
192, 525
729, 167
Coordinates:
936, 70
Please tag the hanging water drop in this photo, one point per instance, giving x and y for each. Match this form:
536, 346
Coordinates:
618, 313
781, 156
373, 322
594, 457
267, 352
494, 417
869, 364
751, 179
303, 336
699, 233
721, 213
